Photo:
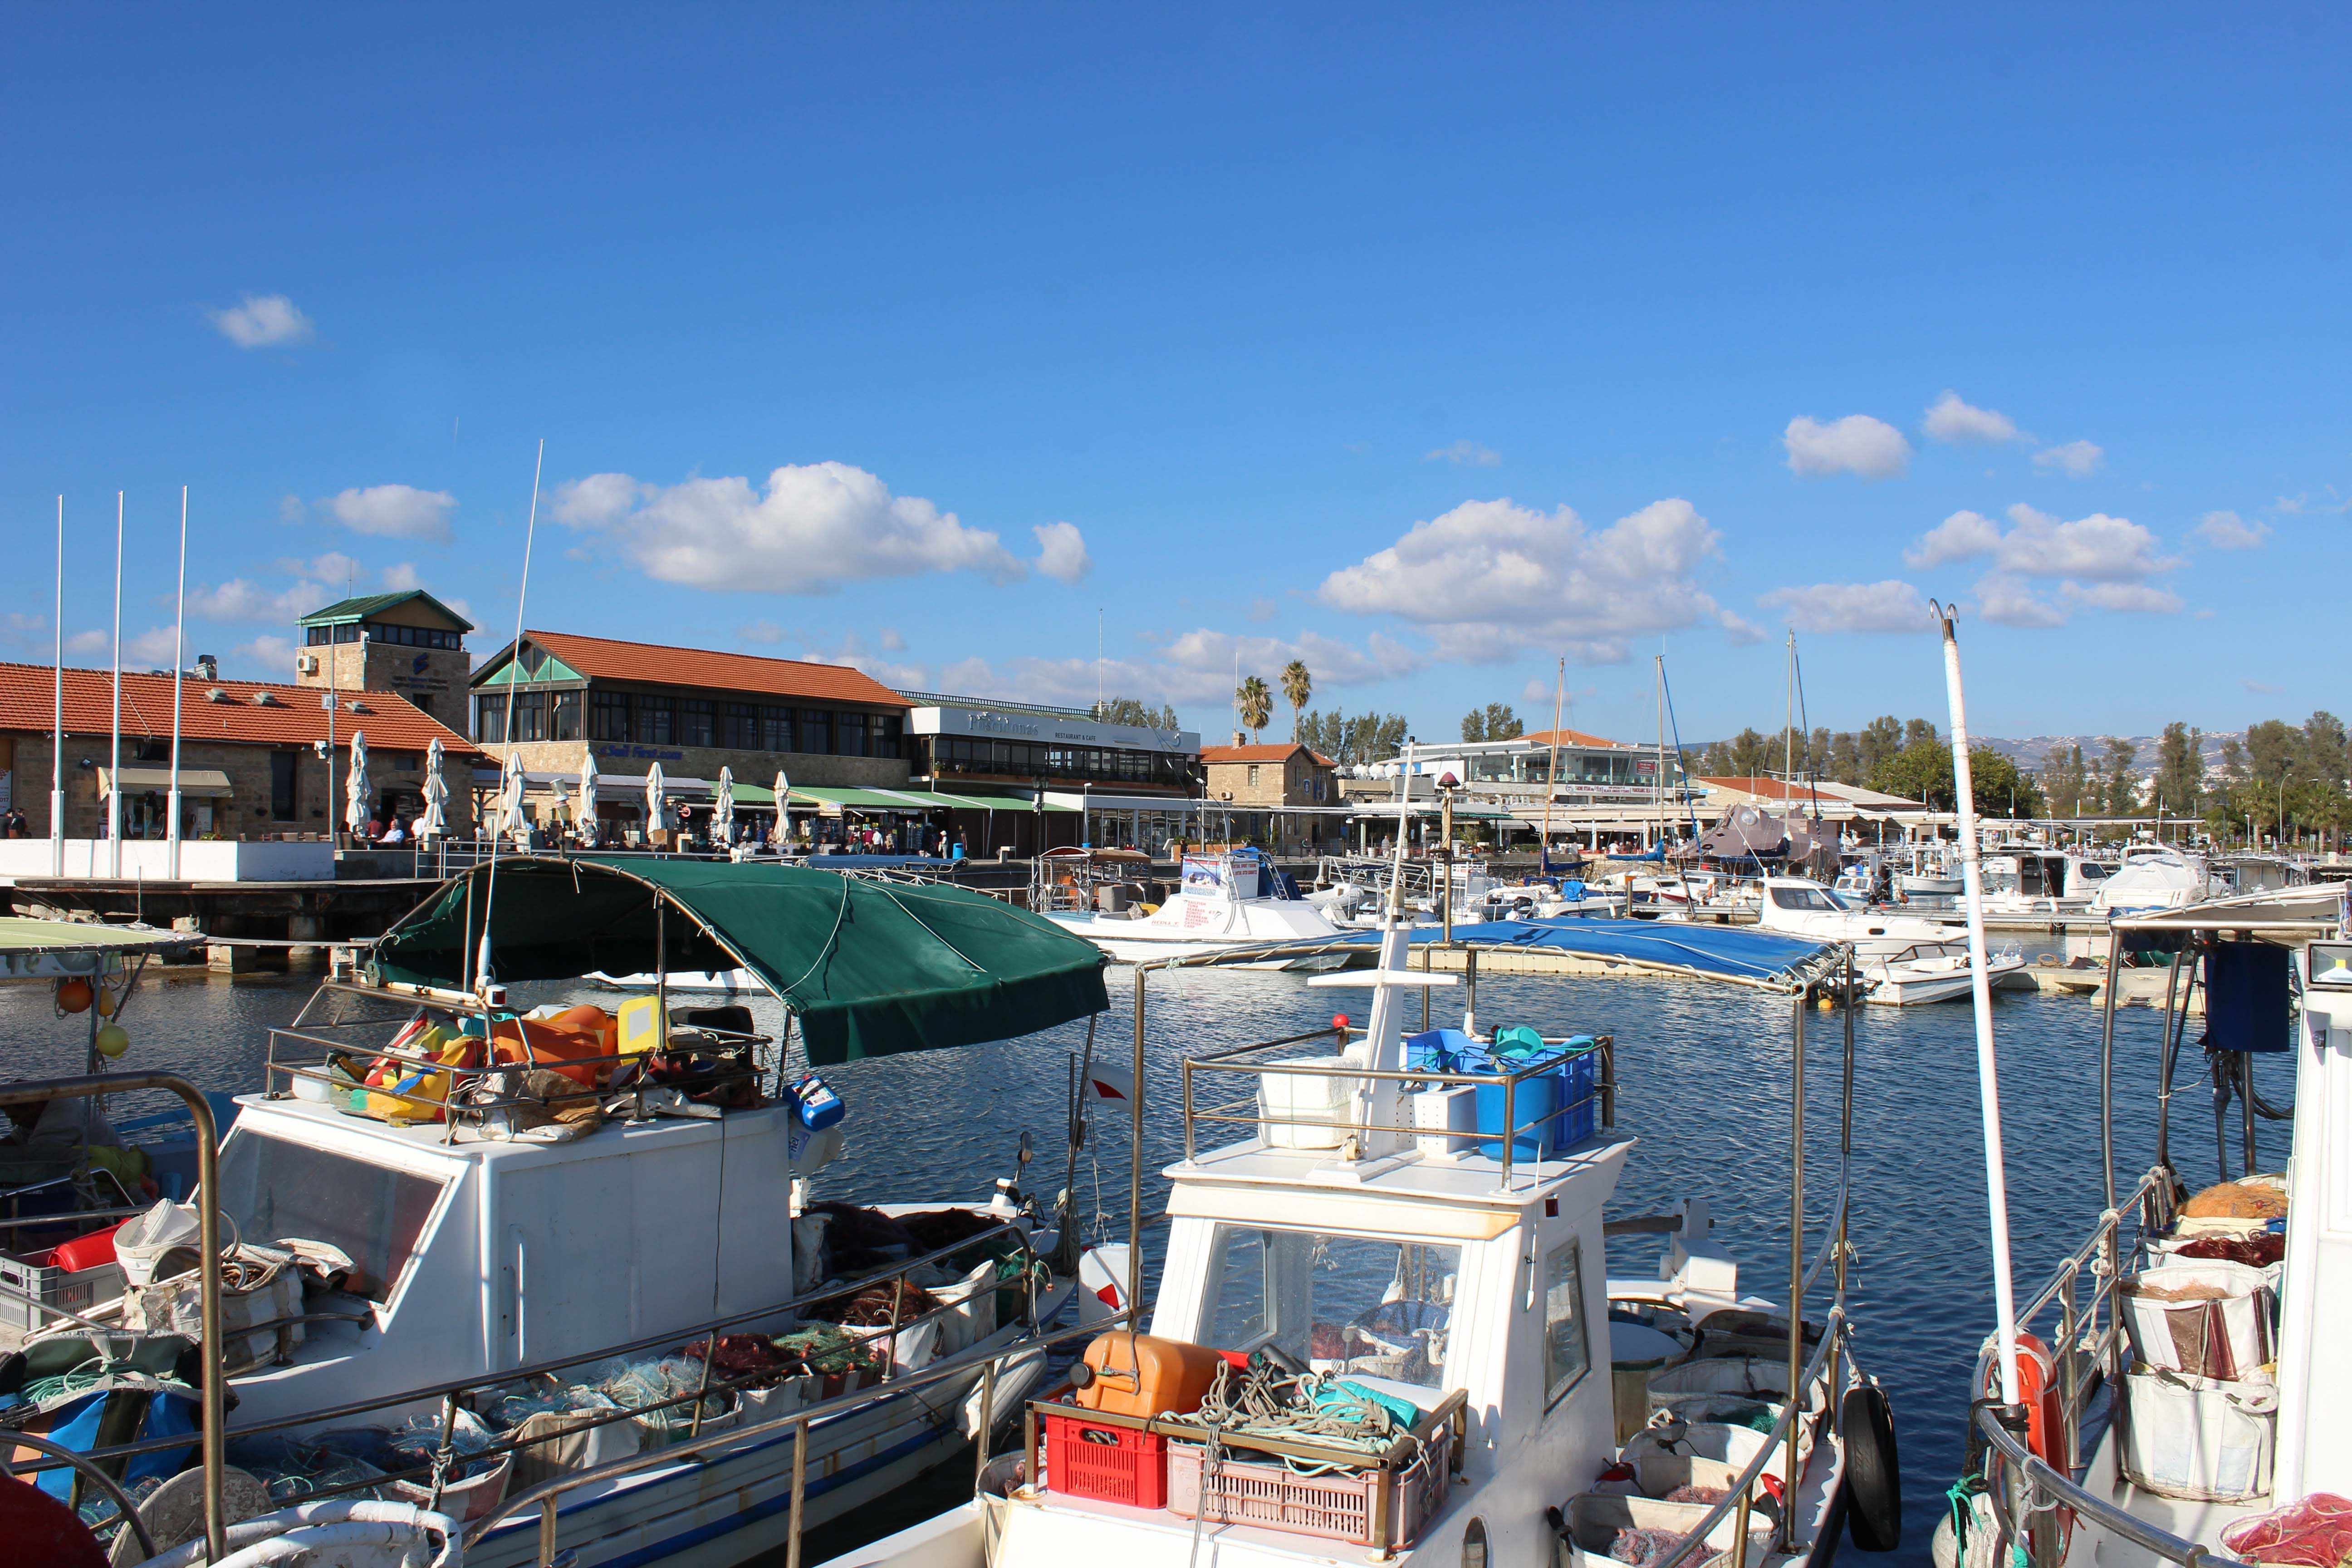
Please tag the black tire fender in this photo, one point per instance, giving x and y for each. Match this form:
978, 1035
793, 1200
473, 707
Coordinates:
1873, 1475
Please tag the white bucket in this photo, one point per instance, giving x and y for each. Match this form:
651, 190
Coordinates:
2198, 1437
140, 1244
2224, 1337
1307, 1111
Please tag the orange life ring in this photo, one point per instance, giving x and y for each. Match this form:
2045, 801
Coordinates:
2046, 1431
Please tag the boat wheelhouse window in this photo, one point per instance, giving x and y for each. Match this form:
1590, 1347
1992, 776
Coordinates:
1338, 1303
1568, 1348
1815, 899
276, 1190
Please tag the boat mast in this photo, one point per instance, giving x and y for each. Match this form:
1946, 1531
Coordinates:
1658, 785
1551, 768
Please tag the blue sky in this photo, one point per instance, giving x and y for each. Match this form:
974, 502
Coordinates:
1432, 345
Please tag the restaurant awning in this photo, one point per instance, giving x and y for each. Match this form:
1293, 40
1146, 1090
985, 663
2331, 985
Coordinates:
870, 967
205, 782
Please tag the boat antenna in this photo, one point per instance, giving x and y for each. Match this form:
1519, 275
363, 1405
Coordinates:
1805, 723
1981, 992
514, 671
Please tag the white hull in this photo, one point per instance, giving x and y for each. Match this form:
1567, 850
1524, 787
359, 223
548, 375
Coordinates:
1916, 886
720, 982
1901, 983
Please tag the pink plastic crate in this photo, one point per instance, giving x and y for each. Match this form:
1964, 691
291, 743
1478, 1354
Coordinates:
1268, 1494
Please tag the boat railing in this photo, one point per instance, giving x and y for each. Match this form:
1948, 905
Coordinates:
1251, 1110
310, 1050
546, 1499
2089, 1351
455, 1393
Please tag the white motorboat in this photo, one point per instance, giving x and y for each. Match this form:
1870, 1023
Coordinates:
1385, 1333
1931, 874
1226, 902
2030, 880
1901, 960
2154, 877
442, 1204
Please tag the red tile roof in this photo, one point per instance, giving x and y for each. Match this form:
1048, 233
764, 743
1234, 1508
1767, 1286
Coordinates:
1570, 737
608, 659
1266, 754
27, 703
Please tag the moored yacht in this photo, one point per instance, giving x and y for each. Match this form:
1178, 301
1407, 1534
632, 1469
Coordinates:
1903, 960
1224, 902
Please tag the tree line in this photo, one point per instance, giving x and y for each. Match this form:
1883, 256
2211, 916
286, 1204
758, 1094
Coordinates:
1910, 758
2282, 776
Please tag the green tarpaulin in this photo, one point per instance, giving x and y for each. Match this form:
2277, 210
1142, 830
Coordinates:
870, 967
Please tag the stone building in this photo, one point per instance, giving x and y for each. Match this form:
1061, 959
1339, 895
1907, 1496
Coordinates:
1282, 794
253, 759
409, 642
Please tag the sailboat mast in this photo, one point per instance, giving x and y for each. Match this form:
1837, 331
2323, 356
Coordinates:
1658, 785
1551, 768
1788, 722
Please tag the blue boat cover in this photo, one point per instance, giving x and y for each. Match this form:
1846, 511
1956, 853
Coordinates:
1736, 952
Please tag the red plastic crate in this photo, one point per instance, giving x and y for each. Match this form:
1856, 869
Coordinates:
1089, 1459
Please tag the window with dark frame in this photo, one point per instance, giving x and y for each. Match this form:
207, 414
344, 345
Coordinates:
738, 726
694, 720
282, 766
653, 726
849, 734
816, 732
608, 715
564, 718
775, 729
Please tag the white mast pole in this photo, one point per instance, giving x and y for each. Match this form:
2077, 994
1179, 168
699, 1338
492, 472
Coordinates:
58, 742
514, 676
179, 637
114, 778
1980, 987
1551, 765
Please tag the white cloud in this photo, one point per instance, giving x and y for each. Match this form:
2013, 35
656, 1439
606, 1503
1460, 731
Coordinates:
88, 644
1262, 610
242, 599
853, 653
814, 528
150, 650
1193, 668
2006, 602
1962, 536
1889, 606
1466, 453
2136, 598
1491, 578
1949, 419
24, 630
290, 509
263, 322
2227, 530
393, 512
1856, 444
264, 659
1062, 552
2075, 459
2096, 548
2299, 505
892, 640
2260, 688
400, 577
760, 631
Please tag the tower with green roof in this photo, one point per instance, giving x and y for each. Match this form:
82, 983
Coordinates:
408, 642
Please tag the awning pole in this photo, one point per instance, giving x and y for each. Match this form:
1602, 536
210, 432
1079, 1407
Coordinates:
1980, 990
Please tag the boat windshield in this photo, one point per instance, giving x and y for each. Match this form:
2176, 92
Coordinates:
1337, 1303
1814, 900
273, 1189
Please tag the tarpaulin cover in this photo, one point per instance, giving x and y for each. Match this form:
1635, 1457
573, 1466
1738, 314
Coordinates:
1736, 952
870, 967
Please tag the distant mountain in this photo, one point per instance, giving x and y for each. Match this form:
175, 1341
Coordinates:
2029, 752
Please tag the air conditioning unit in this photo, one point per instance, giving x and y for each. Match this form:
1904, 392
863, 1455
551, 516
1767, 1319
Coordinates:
306, 663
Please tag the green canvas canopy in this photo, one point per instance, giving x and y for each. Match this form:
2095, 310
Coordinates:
870, 967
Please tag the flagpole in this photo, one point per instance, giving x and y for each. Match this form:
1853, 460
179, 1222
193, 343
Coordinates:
114, 778
179, 635
58, 748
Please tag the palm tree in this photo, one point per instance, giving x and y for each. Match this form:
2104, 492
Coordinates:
1297, 689
1257, 704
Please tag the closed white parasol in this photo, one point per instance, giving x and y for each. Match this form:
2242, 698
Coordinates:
583, 810
656, 801
434, 823
511, 821
722, 808
359, 795
783, 809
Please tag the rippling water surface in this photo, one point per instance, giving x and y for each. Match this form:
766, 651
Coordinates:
1704, 1071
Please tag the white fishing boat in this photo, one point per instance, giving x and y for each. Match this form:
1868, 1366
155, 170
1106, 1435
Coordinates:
2026, 879
1931, 874
565, 1279
1385, 1332
1232, 901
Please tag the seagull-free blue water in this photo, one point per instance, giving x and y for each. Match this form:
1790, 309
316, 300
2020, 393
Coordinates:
1704, 1074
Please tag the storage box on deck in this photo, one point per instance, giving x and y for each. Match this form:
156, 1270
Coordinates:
2198, 1437
1108, 1464
1247, 1488
1308, 1111
1594, 1519
49, 1282
1547, 1113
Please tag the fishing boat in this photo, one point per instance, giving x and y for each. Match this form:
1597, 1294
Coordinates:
559, 1283
1931, 874
1224, 902
2028, 879
1903, 960
1386, 1332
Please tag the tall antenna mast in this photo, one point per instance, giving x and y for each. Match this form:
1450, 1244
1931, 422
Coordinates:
57, 745
1788, 723
1551, 768
1658, 787
514, 675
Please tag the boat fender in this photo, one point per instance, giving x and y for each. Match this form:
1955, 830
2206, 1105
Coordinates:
1873, 1478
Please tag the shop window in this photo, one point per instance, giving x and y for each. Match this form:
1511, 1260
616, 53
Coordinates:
889, 735
563, 721
849, 734
654, 715
775, 729
1567, 1350
608, 715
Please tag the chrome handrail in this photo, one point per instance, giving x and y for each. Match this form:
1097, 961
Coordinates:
2048, 1486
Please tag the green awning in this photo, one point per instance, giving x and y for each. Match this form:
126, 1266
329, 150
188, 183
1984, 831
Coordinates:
871, 967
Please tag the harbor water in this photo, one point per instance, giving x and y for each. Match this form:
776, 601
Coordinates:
1704, 1072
